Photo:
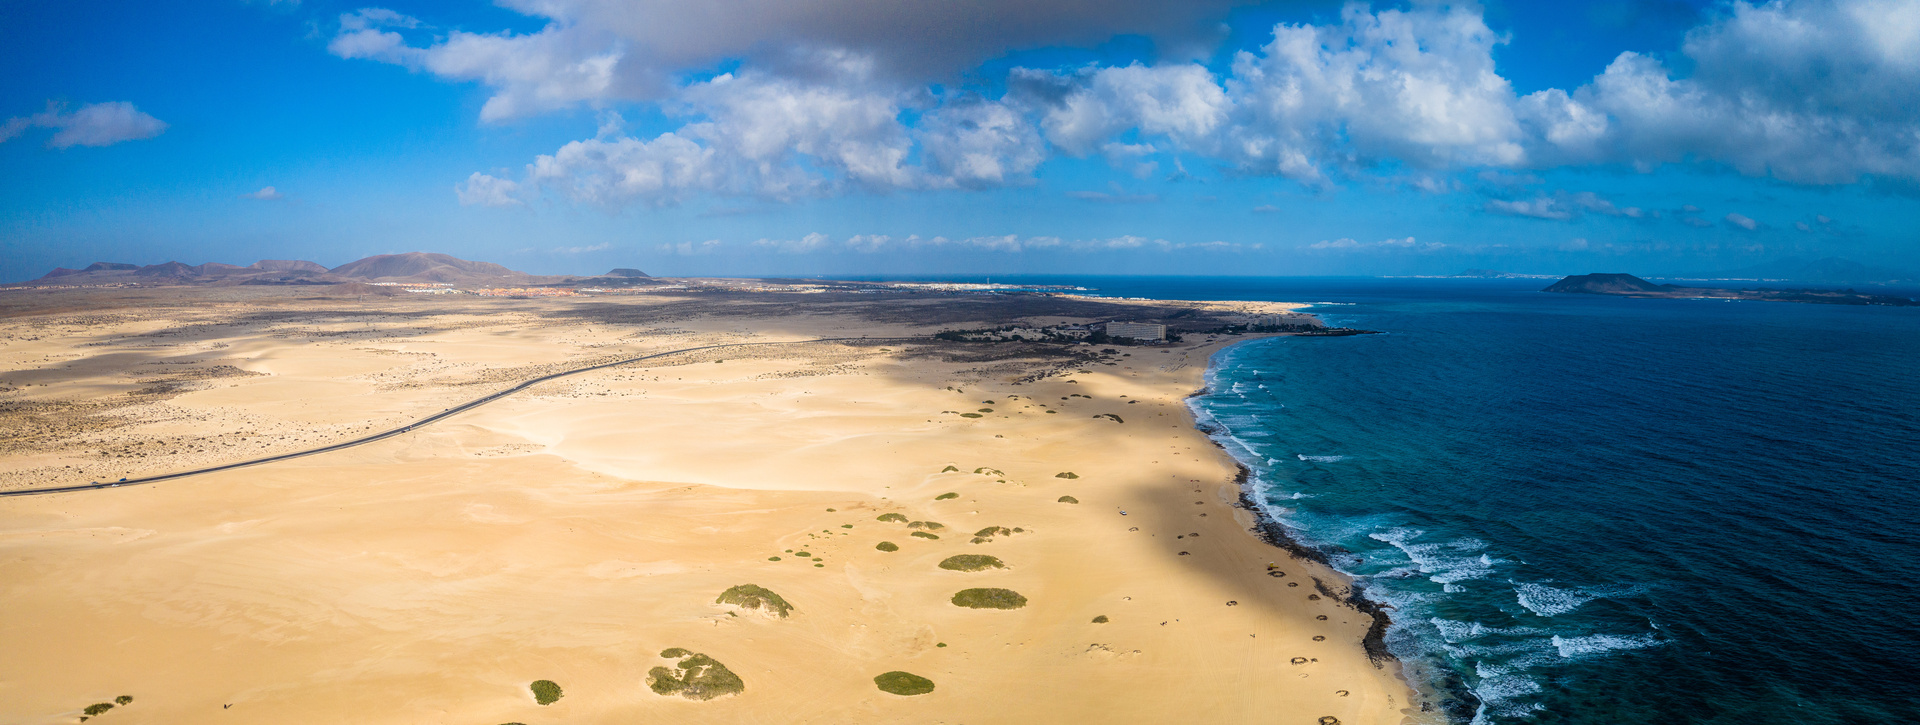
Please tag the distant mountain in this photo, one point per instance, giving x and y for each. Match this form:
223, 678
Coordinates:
625, 272
1627, 285
289, 265
1601, 283
423, 267
1826, 270
410, 267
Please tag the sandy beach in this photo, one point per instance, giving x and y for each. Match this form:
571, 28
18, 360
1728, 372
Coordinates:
575, 531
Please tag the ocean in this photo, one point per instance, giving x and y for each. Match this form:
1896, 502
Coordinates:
1588, 509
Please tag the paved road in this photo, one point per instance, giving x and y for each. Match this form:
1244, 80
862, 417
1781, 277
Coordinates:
442, 415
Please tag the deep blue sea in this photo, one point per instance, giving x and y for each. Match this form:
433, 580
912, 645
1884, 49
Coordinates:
1588, 509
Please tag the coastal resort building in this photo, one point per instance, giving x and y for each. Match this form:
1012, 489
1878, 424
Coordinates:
1137, 331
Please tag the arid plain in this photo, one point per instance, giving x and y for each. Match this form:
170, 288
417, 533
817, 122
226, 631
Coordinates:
574, 531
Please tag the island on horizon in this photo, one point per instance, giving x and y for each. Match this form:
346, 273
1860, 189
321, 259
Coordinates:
1627, 285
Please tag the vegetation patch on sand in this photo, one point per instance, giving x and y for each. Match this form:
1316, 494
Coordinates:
972, 562
754, 596
950, 469
1102, 619
887, 546
695, 677
903, 683
545, 692
945, 496
1066, 474
988, 598
1069, 499
925, 535
928, 525
900, 518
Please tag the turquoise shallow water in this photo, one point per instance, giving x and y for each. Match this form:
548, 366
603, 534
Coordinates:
1590, 509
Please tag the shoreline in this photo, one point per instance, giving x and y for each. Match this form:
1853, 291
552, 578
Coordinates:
1272, 532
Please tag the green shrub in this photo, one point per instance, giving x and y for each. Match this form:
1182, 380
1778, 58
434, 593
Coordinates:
695, 677
846, 526
1102, 619
773, 558
1069, 499
925, 535
985, 410
993, 531
891, 517
978, 540
887, 546
1066, 474
972, 562
903, 683
928, 525
950, 469
753, 596
97, 708
970, 415
945, 496
803, 555
545, 692
989, 599
123, 700
986, 470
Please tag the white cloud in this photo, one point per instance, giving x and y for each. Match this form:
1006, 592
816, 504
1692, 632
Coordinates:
809, 243
485, 190
1742, 221
687, 249
601, 247
1180, 102
1541, 208
1815, 92
979, 144
95, 124
266, 193
836, 96
1415, 85
1405, 244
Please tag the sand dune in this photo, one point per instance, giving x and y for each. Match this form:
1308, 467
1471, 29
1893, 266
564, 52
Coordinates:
576, 532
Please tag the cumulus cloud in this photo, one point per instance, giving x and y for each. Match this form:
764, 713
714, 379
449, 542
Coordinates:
1742, 221
843, 95
595, 51
1542, 208
94, 124
266, 193
485, 190
978, 144
1405, 244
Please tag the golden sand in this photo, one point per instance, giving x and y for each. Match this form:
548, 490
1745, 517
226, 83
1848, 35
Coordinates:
574, 531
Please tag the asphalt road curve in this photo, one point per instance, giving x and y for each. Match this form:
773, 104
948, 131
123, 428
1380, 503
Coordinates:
423, 422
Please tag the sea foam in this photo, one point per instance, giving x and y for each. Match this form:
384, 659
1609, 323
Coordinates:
1593, 644
1548, 601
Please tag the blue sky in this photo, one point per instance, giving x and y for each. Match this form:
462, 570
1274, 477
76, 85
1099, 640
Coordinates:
865, 137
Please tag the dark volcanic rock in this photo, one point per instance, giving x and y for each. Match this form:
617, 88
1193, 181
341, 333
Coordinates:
110, 267
625, 272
